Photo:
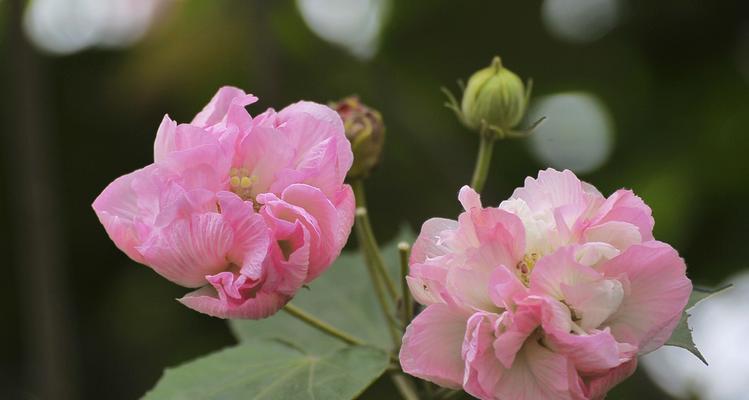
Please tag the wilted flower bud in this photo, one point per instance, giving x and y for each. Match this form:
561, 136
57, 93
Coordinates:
494, 96
365, 131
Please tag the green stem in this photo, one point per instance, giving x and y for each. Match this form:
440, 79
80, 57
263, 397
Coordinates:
483, 161
358, 186
405, 386
361, 215
324, 327
368, 240
408, 306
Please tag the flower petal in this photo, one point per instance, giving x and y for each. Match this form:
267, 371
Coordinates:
560, 268
592, 353
206, 301
432, 343
552, 189
120, 207
616, 233
597, 386
321, 153
223, 106
469, 198
593, 302
189, 249
513, 331
482, 372
431, 240
656, 292
539, 373
251, 235
623, 205
505, 289
172, 137
310, 207
427, 284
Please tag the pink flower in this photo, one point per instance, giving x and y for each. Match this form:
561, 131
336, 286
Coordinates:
245, 209
551, 295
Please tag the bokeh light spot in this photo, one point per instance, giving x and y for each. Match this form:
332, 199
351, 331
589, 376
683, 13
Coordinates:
580, 21
352, 24
69, 26
577, 134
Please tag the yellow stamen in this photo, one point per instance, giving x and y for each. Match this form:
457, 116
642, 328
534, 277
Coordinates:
525, 266
241, 182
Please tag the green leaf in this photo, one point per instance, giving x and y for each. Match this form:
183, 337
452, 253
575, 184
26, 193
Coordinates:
268, 369
682, 336
342, 296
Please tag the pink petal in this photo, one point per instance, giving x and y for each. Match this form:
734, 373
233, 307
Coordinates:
222, 106
321, 153
539, 373
591, 353
171, 137
311, 207
486, 239
617, 233
120, 207
482, 372
552, 189
202, 167
625, 206
558, 268
592, 254
513, 331
470, 288
431, 240
206, 301
597, 386
189, 249
469, 198
432, 344
427, 283
288, 273
288, 261
505, 289
594, 302
266, 153
251, 235
656, 292
345, 205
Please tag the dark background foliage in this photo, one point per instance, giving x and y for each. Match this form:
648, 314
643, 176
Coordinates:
80, 320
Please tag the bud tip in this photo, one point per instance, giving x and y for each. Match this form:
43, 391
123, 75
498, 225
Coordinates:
496, 64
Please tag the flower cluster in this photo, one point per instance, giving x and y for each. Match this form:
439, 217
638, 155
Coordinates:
247, 210
551, 295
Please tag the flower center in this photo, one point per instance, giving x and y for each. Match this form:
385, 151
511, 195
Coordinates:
241, 182
525, 266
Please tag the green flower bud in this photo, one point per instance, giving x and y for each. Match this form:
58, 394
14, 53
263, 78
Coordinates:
365, 131
494, 98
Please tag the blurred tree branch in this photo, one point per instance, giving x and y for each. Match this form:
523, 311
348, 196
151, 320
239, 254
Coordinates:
50, 362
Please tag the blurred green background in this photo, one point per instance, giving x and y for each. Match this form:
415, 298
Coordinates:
85, 84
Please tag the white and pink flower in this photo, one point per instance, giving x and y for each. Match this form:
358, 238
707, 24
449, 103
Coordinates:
551, 295
245, 209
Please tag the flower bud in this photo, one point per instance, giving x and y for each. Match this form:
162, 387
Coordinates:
494, 97
365, 131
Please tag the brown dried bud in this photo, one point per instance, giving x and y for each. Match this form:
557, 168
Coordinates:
366, 132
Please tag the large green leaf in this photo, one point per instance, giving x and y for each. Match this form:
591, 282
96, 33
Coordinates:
682, 336
342, 296
269, 369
